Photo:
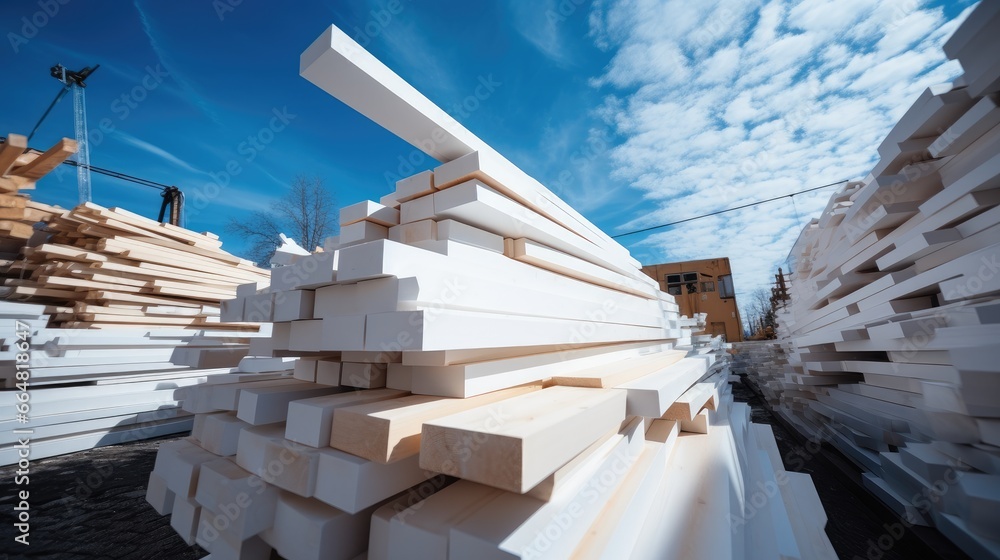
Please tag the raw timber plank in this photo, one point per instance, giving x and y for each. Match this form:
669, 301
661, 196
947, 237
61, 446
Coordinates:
478, 205
421, 531
415, 186
270, 404
522, 526
616, 374
614, 532
352, 484
653, 394
476, 378
47, 161
221, 483
10, 150
310, 530
512, 453
389, 430
528, 251
472, 279
369, 211
98, 438
310, 420
453, 329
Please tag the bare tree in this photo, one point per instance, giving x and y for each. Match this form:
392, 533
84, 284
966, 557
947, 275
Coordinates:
758, 311
307, 213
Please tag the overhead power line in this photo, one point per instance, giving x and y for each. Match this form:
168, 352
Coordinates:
717, 212
122, 176
110, 172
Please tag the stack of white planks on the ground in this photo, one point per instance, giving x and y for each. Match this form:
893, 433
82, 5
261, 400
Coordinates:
481, 372
108, 268
765, 361
88, 388
892, 331
92, 268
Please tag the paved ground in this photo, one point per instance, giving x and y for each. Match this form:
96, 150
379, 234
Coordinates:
92, 505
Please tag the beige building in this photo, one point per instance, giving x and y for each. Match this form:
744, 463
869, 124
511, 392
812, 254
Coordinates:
704, 286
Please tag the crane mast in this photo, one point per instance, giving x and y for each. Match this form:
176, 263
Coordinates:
74, 81
83, 154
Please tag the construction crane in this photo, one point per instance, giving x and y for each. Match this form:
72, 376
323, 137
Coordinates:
75, 81
173, 198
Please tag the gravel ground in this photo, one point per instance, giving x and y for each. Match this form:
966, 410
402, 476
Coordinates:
91, 505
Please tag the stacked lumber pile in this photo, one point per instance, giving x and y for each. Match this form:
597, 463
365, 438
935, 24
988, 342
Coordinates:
20, 169
109, 268
106, 267
892, 328
89, 388
481, 372
766, 363
158, 285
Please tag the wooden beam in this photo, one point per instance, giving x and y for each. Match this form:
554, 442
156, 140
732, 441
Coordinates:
48, 161
10, 151
389, 430
498, 446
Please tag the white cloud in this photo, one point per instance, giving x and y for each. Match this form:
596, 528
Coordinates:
723, 103
156, 151
720, 67
539, 24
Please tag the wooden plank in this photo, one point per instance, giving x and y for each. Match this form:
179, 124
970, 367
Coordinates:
473, 279
511, 453
476, 378
616, 529
519, 526
388, 431
381, 95
492, 169
309, 530
310, 420
527, 251
452, 329
266, 405
478, 205
653, 394
353, 484
603, 376
220, 484
421, 531
10, 150
415, 186
48, 161
369, 211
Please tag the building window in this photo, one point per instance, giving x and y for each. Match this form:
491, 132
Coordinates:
726, 286
708, 286
686, 282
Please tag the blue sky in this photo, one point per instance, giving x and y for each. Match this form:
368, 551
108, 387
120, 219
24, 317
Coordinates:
637, 112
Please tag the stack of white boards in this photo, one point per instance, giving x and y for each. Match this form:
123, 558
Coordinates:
69, 390
482, 372
891, 334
